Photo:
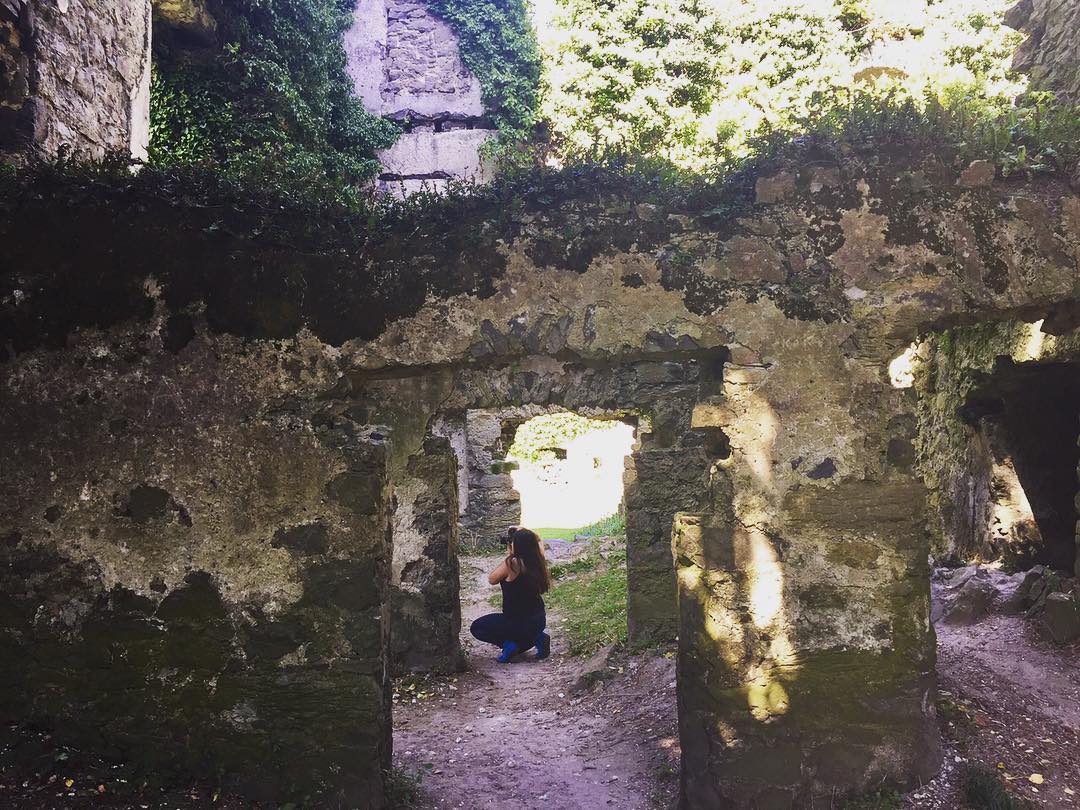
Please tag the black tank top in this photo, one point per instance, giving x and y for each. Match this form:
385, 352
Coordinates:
521, 597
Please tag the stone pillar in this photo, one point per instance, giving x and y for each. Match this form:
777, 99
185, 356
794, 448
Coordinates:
806, 656
405, 65
658, 483
76, 76
1049, 53
494, 504
426, 604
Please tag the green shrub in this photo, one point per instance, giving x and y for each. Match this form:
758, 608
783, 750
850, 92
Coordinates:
611, 526
695, 82
272, 102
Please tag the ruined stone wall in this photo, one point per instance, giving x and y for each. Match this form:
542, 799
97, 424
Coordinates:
754, 325
76, 76
405, 65
493, 503
967, 379
671, 474
195, 562
1049, 54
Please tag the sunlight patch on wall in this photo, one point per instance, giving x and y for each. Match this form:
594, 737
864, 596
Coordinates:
902, 367
1032, 348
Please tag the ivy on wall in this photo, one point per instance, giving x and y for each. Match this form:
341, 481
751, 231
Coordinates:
272, 99
498, 45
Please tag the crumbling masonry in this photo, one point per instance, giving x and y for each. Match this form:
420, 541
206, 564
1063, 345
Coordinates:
223, 460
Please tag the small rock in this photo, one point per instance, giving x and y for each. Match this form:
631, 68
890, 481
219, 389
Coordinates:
1061, 617
979, 174
966, 604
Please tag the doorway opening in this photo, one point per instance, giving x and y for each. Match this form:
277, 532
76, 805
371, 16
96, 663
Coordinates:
568, 471
595, 724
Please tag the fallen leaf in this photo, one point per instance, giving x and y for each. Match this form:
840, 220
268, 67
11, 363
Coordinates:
1036, 779
69, 782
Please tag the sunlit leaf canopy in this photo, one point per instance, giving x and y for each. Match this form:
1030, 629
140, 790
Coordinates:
692, 81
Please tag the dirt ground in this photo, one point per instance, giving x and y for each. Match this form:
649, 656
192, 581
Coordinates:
519, 735
1011, 705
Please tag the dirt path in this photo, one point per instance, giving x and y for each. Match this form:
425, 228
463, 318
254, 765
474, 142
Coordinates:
1012, 707
517, 735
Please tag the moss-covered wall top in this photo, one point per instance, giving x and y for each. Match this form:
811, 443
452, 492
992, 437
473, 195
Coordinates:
588, 264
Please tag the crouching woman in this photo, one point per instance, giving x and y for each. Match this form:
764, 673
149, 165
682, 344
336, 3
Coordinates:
523, 577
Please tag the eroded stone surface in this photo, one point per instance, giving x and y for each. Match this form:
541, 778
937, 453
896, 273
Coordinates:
405, 64
183, 564
1049, 54
80, 77
427, 610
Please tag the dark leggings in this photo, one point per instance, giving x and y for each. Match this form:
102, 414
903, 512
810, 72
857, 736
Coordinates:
498, 628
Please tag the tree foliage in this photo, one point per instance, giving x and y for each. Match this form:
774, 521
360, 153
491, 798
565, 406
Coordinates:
696, 82
536, 439
273, 99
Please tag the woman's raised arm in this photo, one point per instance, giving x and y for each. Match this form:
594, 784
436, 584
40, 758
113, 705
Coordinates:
501, 572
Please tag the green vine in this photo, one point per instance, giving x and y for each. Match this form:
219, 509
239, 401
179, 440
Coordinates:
273, 100
498, 45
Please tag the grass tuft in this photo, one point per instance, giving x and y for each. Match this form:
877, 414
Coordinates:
880, 799
984, 791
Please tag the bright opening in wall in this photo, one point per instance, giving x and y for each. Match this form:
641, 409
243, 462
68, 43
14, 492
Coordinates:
902, 367
570, 468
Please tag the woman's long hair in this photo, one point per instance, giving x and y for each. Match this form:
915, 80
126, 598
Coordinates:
527, 552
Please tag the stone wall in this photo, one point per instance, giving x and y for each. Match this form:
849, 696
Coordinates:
988, 466
754, 325
405, 65
195, 562
1049, 55
493, 504
76, 76
482, 398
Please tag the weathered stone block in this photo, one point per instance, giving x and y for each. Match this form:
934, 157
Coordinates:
404, 59
659, 484
455, 154
769, 716
76, 52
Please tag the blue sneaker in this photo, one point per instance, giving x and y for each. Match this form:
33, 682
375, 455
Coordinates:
543, 645
509, 650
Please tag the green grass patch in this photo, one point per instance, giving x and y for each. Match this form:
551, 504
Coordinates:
547, 533
592, 606
880, 799
984, 791
611, 526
